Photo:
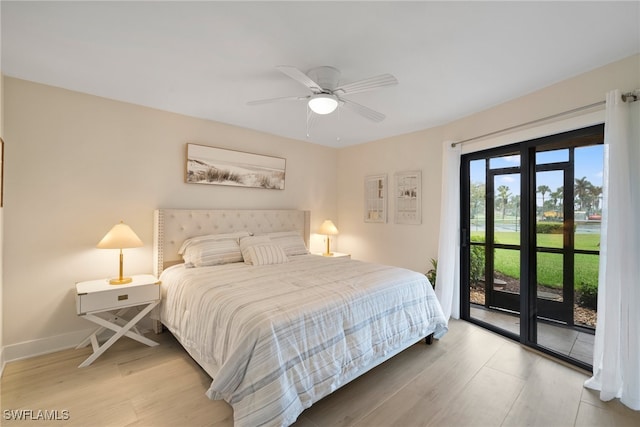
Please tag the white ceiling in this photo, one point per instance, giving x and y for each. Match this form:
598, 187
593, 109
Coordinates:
208, 59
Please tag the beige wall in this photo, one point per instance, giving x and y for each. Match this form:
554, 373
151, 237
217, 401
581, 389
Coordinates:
1, 238
1, 223
412, 246
77, 164
402, 245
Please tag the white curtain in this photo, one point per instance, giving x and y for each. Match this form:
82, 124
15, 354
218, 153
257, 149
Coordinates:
616, 359
448, 277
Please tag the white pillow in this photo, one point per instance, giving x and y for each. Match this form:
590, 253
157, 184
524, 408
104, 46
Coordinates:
259, 250
212, 252
212, 249
290, 241
212, 237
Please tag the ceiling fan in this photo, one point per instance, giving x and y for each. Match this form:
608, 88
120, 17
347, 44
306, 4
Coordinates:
327, 95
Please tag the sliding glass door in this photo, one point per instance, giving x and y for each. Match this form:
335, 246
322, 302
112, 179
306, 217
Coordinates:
530, 226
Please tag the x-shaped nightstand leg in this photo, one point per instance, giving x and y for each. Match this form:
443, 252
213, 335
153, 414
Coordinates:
112, 317
119, 332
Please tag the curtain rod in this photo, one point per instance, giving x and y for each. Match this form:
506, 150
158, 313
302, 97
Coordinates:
626, 97
632, 96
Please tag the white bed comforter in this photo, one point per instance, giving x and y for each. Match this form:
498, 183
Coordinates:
284, 336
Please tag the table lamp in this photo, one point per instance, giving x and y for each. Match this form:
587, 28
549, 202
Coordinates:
327, 228
121, 236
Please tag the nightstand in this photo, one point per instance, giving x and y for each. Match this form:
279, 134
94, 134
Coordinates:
97, 301
334, 255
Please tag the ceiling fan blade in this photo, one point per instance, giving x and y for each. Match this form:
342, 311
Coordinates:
300, 77
365, 112
270, 100
367, 84
311, 121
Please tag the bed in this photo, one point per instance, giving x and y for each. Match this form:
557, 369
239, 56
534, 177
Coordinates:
279, 329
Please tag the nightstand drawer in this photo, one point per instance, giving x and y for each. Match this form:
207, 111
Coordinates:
117, 297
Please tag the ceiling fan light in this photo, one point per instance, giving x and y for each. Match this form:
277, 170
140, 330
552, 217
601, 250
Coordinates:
323, 104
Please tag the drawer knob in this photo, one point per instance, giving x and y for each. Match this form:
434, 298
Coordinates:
123, 297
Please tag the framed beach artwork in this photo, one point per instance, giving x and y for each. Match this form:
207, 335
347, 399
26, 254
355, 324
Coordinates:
408, 201
219, 166
375, 198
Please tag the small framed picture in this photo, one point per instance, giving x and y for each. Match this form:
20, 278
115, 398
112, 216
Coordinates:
375, 198
407, 198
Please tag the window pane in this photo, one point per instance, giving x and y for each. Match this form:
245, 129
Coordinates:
476, 273
586, 270
550, 276
549, 209
507, 271
506, 193
553, 156
586, 289
588, 196
477, 201
512, 161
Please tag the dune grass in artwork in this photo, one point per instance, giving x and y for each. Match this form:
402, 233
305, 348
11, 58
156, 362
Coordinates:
209, 165
200, 172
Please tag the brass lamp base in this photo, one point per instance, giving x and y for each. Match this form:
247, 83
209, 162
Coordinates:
328, 252
121, 281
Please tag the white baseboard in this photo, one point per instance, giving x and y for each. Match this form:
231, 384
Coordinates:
27, 349
41, 346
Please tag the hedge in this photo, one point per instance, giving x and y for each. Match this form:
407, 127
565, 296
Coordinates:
551, 227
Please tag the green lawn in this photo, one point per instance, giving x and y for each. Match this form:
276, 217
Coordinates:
550, 266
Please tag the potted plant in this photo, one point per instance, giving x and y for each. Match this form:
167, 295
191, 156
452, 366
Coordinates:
431, 274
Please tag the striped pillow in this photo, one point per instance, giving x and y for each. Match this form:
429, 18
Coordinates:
212, 237
259, 250
290, 241
213, 252
212, 249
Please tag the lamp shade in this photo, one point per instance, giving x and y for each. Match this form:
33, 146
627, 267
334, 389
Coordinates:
121, 236
328, 228
323, 104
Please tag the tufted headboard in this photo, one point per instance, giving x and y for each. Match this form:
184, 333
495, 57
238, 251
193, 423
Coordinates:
171, 227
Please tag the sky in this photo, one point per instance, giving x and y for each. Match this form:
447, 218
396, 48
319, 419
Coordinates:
588, 163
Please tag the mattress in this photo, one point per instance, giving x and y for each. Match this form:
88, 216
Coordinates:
277, 338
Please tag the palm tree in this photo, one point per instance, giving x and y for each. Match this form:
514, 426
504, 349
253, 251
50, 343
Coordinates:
596, 192
503, 192
582, 190
477, 198
515, 202
556, 197
543, 189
